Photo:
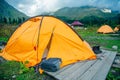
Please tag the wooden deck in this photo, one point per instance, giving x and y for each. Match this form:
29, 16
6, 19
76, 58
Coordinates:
87, 70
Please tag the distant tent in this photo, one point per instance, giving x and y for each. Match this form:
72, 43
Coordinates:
116, 29
76, 23
105, 29
46, 36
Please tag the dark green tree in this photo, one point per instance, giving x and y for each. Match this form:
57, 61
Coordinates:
10, 21
19, 20
1, 19
14, 21
118, 18
5, 20
23, 19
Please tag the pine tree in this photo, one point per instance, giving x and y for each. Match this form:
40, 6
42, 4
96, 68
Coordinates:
19, 20
5, 20
23, 19
13, 21
10, 21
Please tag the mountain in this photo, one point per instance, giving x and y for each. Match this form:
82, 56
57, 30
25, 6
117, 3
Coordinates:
8, 11
88, 15
82, 12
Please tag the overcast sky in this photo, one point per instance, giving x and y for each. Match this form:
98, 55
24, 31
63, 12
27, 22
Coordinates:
36, 7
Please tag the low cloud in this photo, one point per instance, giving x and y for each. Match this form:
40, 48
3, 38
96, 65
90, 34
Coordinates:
38, 7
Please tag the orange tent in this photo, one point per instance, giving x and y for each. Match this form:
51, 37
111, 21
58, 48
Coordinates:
117, 29
46, 36
105, 29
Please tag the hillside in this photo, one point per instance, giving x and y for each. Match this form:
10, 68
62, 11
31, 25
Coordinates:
82, 12
88, 15
8, 11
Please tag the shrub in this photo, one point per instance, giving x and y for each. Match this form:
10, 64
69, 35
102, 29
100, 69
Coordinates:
7, 30
12, 70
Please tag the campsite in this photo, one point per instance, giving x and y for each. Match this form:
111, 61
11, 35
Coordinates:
71, 43
106, 41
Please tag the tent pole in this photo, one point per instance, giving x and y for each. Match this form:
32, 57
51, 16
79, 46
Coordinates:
37, 66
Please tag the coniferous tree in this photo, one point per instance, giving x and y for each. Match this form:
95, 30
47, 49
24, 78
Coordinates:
23, 19
19, 20
119, 18
13, 21
1, 19
10, 21
5, 20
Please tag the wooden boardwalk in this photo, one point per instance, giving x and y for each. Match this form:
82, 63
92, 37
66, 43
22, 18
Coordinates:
87, 70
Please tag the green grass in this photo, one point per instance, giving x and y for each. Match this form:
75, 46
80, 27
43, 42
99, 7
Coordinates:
114, 74
104, 40
4, 38
12, 70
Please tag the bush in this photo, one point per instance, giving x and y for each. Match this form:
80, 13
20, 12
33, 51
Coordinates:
7, 30
12, 70
114, 74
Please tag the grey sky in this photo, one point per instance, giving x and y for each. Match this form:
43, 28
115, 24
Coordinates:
36, 7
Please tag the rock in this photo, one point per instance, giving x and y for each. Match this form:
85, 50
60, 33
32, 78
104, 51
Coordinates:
1, 47
2, 60
114, 47
14, 76
2, 43
117, 61
85, 28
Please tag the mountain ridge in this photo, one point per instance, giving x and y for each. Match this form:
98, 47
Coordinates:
8, 11
81, 12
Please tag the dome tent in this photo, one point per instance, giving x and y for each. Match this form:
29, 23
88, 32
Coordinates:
46, 36
117, 28
105, 29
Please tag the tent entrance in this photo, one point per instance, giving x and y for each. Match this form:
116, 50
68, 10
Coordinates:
48, 46
45, 53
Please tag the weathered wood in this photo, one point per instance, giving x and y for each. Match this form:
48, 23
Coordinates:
81, 70
101, 67
102, 72
74, 72
93, 69
87, 70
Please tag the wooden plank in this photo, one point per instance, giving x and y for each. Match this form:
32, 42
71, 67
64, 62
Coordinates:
76, 72
82, 69
103, 71
93, 69
68, 71
86, 70
59, 71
